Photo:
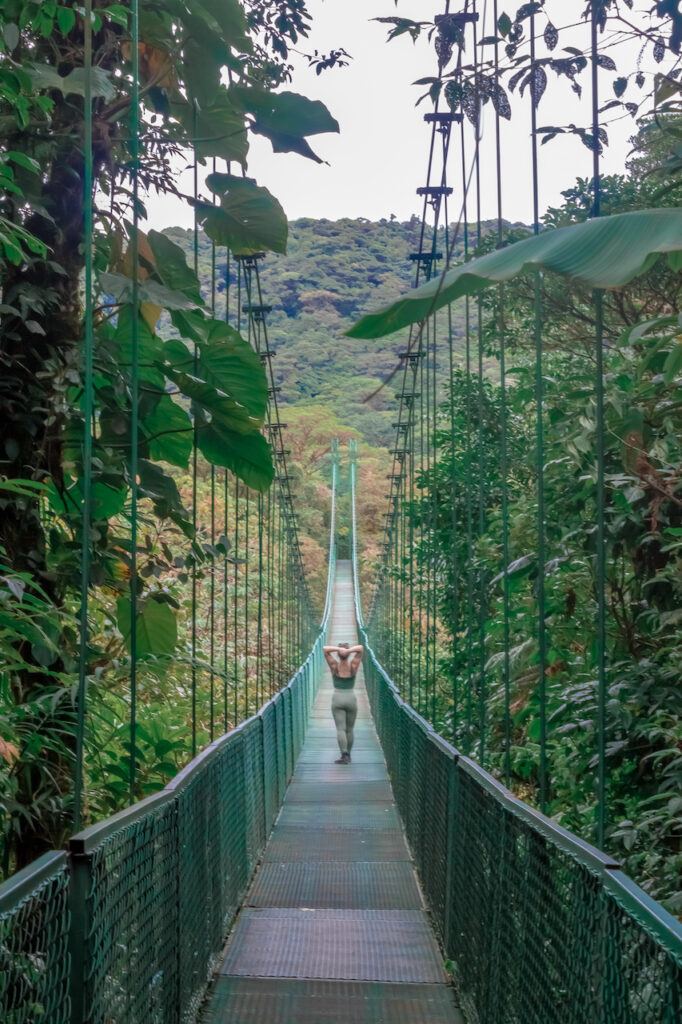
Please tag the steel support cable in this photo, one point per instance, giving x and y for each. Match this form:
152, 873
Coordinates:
468, 512
598, 299
87, 370
540, 445
404, 442
504, 453
418, 271
481, 497
212, 597
226, 520
134, 383
195, 467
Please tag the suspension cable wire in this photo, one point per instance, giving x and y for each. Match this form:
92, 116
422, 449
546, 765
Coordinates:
481, 461
469, 528
212, 567
88, 405
539, 443
598, 300
504, 452
195, 464
226, 521
134, 383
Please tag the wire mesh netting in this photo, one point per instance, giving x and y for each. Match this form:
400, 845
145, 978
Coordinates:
539, 926
129, 924
34, 954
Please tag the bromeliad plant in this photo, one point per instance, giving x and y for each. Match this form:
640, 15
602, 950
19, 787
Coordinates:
207, 79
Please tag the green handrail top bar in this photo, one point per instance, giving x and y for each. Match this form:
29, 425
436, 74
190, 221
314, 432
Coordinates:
18, 887
90, 838
187, 774
567, 841
663, 926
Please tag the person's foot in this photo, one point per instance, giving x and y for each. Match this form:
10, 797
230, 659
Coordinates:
344, 759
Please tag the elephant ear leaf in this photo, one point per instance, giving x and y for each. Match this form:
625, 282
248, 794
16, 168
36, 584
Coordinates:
285, 118
248, 456
249, 218
607, 252
156, 627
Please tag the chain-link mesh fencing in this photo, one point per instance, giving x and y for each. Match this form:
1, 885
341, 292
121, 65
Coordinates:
34, 948
540, 928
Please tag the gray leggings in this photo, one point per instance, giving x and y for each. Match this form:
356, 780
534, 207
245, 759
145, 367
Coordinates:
344, 710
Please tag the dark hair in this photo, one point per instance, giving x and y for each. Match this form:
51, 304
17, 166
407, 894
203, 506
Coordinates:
344, 644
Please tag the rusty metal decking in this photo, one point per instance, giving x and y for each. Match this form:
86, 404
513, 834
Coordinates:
333, 928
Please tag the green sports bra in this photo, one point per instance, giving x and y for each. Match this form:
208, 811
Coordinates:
343, 684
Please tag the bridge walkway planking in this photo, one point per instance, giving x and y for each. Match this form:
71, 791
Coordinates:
333, 928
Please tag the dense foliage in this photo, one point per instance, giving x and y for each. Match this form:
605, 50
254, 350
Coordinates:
461, 514
201, 77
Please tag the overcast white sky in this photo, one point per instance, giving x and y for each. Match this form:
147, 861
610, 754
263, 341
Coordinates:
379, 158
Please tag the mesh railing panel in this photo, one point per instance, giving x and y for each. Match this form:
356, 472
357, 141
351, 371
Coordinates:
34, 954
254, 788
270, 786
281, 747
540, 927
288, 734
130, 925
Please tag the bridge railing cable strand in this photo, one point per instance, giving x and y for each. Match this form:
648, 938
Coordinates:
540, 927
128, 924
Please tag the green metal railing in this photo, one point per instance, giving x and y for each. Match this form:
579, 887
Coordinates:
540, 927
127, 926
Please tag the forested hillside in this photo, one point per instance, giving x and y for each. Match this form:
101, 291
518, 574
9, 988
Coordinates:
333, 272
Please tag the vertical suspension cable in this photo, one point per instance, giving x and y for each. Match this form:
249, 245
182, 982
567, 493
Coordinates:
88, 414
504, 452
540, 444
195, 519
481, 496
468, 512
226, 506
598, 300
134, 383
212, 567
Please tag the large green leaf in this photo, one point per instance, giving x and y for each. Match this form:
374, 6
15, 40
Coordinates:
150, 347
247, 455
120, 288
229, 15
218, 130
604, 253
248, 219
172, 268
156, 628
225, 360
286, 118
219, 406
169, 430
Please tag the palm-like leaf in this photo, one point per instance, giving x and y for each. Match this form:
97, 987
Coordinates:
604, 253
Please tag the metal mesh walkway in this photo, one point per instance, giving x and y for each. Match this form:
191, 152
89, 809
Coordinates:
333, 928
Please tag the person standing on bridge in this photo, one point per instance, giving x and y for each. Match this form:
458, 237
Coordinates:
344, 662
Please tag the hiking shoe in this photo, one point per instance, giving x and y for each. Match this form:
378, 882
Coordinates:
344, 759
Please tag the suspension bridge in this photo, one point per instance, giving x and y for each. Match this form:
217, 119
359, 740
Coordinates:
268, 883
265, 882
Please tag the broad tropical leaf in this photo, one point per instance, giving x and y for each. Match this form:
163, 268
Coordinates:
226, 361
156, 626
604, 253
247, 455
285, 118
169, 431
218, 130
172, 268
248, 219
